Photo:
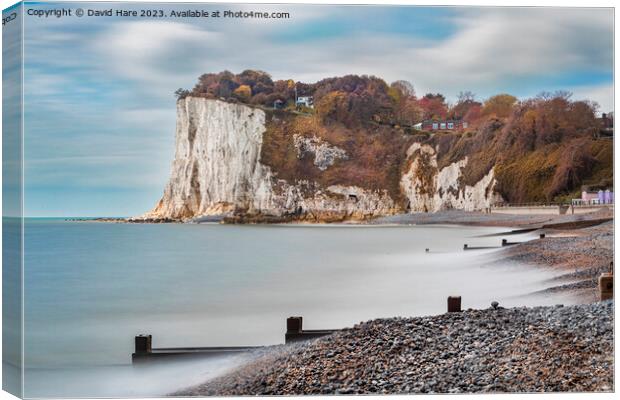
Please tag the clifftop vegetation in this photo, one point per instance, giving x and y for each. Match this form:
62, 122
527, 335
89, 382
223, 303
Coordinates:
542, 149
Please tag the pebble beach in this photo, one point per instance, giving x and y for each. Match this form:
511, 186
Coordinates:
541, 349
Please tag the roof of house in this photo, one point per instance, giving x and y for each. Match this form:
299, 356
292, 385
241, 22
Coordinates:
426, 121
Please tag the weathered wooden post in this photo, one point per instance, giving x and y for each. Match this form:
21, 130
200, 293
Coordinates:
144, 344
542, 235
296, 333
504, 242
606, 286
294, 324
464, 247
454, 303
294, 329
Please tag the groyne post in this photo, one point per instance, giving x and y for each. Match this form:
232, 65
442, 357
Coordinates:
504, 242
464, 247
296, 333
606, 286
454, 303
542, 235
294, 324
144, 344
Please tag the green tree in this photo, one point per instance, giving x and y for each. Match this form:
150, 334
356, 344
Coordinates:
181, 93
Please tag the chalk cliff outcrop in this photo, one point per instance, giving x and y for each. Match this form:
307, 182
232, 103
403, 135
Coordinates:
430, 189
216, 167
217, 171
324, 154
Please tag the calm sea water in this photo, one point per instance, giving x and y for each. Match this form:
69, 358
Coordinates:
91, 287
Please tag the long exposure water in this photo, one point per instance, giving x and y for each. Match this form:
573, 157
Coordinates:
90, 287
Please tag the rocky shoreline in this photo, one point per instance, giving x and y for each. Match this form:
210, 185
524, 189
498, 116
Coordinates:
458, 217
580, 246
451, 217
540, 349
580, 255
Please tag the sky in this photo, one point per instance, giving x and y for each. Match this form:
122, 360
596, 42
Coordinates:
100, 111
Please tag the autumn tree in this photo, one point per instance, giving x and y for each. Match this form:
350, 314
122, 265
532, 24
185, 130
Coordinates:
499, 106
332, 107
367, 98
408, 112
473, 114
258, 81
401, 90
465, 97
243, 92
433, 106
465, 102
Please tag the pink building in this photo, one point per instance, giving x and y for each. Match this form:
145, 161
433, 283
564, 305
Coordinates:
589, 197
600, 197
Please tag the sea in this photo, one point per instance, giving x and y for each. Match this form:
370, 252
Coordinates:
90, 287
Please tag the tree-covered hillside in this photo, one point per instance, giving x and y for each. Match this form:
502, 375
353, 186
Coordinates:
543, 149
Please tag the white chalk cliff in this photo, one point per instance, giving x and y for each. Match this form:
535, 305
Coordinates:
325, 155
430, 188
217, 170
216, 164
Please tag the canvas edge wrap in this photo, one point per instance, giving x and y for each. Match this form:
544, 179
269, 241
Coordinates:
12, 200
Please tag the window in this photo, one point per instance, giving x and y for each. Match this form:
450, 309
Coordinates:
435, 125
465, 125
450, 125
443, 125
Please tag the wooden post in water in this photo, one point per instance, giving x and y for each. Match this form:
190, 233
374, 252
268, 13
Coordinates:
144, 344
606, 286
294, 324
294, 329
464, 247
542, 235
504, 242
454, 303
296, 333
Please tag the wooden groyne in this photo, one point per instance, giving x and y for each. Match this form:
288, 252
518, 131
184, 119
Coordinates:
505, 243
145, 353
468, 247
296, 333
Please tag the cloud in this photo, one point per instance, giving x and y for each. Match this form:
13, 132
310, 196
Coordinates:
603, 94
508, 45
153, 51
488, 50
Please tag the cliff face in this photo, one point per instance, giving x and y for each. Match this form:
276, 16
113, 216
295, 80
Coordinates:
430, 188
216, 167
217, 170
